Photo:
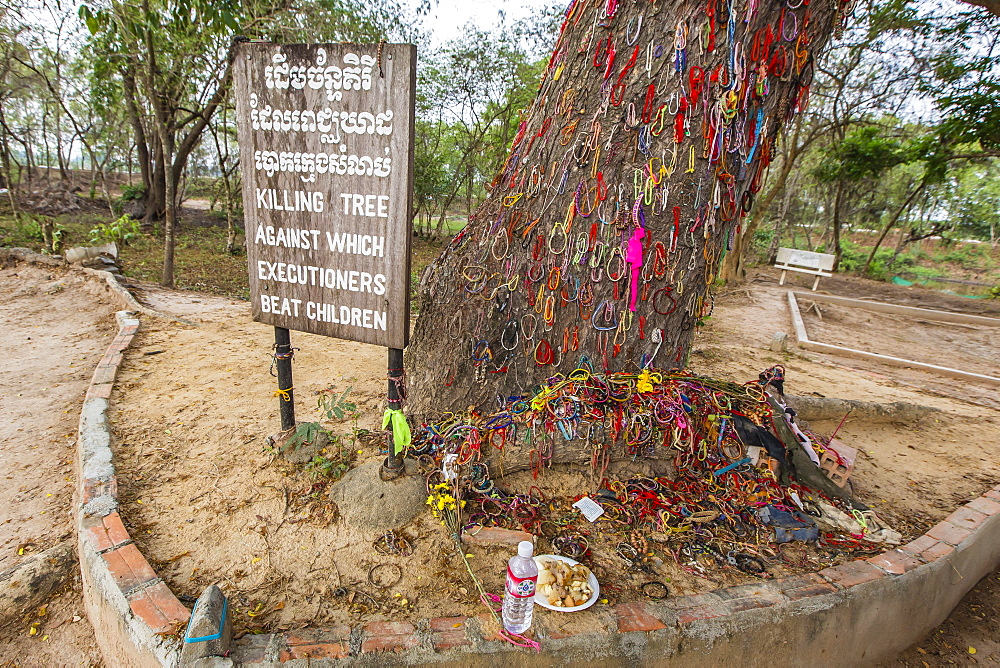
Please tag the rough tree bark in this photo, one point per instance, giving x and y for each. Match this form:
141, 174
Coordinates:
652, 125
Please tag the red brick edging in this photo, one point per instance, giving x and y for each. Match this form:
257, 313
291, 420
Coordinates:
132, 609
136, 615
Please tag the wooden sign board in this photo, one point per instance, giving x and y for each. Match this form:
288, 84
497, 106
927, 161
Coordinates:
326, 150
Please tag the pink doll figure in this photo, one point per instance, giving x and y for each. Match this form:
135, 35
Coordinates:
633, 255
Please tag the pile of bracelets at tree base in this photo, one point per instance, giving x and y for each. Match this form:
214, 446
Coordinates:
705, 518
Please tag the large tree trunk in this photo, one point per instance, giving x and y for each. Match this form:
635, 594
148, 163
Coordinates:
141, 143
652, 125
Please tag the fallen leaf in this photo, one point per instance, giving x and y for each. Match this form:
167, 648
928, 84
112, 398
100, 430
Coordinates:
972, 650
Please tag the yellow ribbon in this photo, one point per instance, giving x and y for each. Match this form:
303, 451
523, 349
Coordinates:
284, 394
643, 383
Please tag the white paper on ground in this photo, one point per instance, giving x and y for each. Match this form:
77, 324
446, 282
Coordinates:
449, 467
590, 508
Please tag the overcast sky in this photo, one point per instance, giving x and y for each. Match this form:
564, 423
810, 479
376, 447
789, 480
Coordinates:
449, 16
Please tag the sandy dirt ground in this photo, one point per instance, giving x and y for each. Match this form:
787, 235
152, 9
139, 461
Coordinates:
966, 347
970, 636
207, 502
55, 325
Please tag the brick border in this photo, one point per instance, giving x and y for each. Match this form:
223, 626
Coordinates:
859, 612
132, 609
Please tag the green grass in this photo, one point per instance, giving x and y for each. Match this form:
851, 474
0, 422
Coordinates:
24, 231
200, 261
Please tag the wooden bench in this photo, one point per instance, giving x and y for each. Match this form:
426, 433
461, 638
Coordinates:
805, 262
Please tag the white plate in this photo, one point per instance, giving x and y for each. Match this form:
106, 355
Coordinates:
591, 580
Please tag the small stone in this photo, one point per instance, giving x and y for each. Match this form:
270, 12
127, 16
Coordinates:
77, 618
211, 628
360, 491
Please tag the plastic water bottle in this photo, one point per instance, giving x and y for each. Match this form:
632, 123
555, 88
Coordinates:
519, 599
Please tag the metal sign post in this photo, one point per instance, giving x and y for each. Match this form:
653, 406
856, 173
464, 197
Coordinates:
392, 467
283, 364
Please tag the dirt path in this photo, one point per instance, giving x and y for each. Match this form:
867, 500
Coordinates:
55, 325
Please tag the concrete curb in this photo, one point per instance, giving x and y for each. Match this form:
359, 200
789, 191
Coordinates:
857, 613
806, 343
133, 611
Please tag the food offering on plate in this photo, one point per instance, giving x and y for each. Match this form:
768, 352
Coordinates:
563, 584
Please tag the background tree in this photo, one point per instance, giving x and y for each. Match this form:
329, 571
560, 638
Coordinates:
471, 94
174, 64
865, 76
173, 60
606, 224
925, 75
851, 166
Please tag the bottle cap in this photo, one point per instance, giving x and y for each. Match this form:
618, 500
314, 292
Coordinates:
525, 548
